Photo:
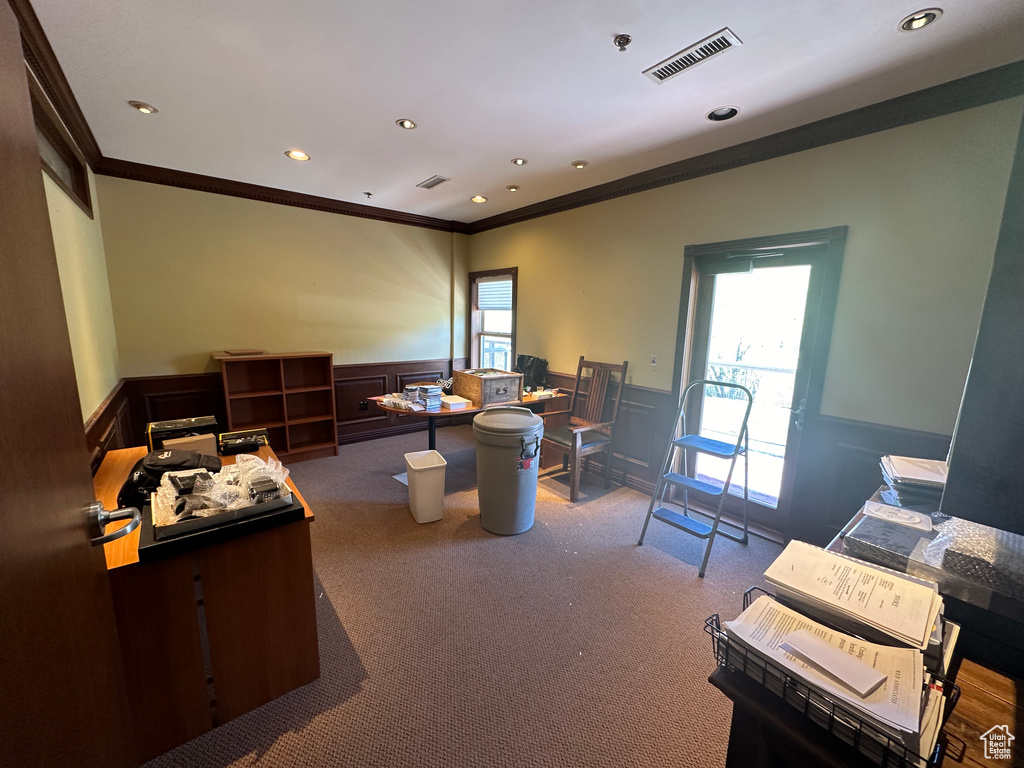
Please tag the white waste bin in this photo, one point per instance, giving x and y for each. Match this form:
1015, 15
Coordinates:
426, 485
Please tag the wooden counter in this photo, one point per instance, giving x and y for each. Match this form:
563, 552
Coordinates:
111, 476
252, 600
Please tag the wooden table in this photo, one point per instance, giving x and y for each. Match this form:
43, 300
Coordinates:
557, 402
250, 598
765, 732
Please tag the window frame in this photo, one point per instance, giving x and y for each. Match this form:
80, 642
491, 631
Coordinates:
52, 127
475, 315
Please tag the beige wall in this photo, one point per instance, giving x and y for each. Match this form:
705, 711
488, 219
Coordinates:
78, 241
460, 296
193, 272
923, 203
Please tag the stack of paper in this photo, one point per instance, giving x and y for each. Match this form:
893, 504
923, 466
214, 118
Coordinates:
867, 600
915, 481
883, 686
455, 403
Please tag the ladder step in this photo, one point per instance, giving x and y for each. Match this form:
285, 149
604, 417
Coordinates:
692, 484
677, 520
707, 445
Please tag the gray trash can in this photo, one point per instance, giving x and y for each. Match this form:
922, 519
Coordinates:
507, 457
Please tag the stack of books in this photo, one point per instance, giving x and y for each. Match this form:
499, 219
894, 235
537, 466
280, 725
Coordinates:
868, 638
430, 396
914, 482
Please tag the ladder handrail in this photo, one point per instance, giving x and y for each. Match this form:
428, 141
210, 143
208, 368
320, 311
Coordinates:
681, 414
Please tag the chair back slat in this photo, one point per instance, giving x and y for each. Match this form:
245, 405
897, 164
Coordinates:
591, 400
594, 404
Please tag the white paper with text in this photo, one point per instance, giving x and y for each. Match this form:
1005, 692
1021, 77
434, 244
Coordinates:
902, 608
895, 704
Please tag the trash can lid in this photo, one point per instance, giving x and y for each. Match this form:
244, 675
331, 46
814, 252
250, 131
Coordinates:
508, 421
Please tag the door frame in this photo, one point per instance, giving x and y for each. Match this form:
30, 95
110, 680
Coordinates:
819, 316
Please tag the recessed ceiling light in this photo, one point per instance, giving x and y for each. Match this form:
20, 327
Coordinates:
920, 19
512, 187
143, 107
405, 123
722, 113
578, 163
478, 199
297, 154
518, 161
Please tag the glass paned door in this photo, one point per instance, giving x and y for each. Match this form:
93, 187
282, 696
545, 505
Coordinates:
756, 326
759, 313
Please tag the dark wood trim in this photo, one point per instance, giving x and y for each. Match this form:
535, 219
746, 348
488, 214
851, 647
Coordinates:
841, 470
472, 320
124, 169
358, 418
53, 128
974, 91
109, 427
43, 62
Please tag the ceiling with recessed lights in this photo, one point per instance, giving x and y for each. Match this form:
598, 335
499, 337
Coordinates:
240, 83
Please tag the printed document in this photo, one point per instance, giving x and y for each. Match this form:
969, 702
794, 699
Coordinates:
894, 707
880, 598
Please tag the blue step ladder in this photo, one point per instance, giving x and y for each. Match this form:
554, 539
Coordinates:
670, 479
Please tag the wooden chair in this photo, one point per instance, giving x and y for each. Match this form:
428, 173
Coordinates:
587, 425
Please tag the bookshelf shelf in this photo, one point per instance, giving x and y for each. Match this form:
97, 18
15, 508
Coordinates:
291, 395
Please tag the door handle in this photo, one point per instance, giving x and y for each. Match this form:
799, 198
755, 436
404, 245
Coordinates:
99, 517
798, 414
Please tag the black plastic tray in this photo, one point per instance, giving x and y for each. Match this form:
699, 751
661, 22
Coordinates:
151, 549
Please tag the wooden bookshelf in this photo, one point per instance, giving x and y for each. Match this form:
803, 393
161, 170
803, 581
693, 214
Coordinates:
290, 395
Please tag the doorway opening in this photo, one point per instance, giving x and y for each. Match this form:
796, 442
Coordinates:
759, 313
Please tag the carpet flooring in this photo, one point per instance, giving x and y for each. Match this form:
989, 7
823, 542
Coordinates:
444, 645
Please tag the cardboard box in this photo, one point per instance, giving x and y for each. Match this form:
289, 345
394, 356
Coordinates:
204, 444
488, 386
158, 431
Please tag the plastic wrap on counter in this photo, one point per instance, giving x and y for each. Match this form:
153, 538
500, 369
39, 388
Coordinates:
250, 480
980, 554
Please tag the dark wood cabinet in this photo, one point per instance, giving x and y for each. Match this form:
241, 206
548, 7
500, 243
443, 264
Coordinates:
290, 395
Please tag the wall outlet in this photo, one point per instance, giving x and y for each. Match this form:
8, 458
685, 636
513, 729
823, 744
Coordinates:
654, 361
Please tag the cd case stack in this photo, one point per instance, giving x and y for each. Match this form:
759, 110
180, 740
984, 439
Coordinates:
430, 396
915, 482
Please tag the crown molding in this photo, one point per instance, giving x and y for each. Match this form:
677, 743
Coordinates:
973, 91
124, 169
44, 65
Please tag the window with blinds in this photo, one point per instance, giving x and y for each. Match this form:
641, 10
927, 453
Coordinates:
492, 319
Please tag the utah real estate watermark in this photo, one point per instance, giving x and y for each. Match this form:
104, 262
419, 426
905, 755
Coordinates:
997, 743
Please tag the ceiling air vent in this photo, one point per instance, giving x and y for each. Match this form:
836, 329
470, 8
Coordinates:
432, 182
716, 44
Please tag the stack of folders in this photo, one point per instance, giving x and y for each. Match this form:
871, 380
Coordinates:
915, 482
886, 688
870, 601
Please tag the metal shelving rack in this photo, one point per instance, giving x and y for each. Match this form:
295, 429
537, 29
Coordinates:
847, 726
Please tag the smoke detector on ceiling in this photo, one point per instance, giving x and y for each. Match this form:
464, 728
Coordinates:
698, 53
